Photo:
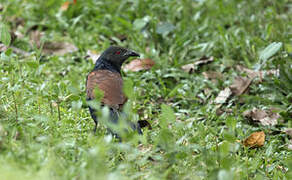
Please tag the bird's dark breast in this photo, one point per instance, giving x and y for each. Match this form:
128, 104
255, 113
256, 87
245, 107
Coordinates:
110, 83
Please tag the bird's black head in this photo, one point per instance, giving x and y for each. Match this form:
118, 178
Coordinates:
117, 55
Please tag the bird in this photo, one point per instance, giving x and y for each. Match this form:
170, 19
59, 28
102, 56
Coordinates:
106, 75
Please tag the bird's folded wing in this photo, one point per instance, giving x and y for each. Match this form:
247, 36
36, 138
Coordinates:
110, 83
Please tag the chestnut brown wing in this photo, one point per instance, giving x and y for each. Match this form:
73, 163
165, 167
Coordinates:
110, 83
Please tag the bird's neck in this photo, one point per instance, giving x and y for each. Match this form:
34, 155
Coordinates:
102, 63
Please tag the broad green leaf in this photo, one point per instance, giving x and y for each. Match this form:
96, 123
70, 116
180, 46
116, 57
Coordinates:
271, 50
165, 28
167, 115
141, 23
5, 37
267, 53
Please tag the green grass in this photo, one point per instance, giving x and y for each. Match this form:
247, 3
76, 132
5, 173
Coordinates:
50, 136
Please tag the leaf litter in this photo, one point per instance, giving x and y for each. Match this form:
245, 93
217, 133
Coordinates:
256, 139
139, 64
192, 67
264, 117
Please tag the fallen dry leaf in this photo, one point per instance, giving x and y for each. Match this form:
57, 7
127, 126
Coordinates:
212, 75
256, 139
14, 49
204, 60
223, 96
190, 68
59, 48
93, 55
240, 85
288, 131
252, 74
138, 65
265, 117
65, 6
220, 111
35, 37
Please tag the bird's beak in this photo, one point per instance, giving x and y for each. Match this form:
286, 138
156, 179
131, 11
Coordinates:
131, 53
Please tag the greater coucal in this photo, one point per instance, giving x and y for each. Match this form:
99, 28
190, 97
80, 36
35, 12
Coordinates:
106, 75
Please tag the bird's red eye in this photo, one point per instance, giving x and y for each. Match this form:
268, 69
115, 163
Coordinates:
118, 52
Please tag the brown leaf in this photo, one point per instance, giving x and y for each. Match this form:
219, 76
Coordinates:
240, 85
223, 96
93, 55
35, 37
289, 131
138, 65
252, 74
14, 49
59, 48
212, 75
220, 111
256, 139
190, 68
265, 117
65, 6
204, 60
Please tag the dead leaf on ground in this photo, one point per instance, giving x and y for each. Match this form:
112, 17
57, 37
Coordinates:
138, 65
240, 85
288, 131
265, 117
204, 60
14, 49
252, 74
66, 5
256, 139
212, 75
223, 96
220, 111
35, 38
190, 68
59, 48
93, 55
